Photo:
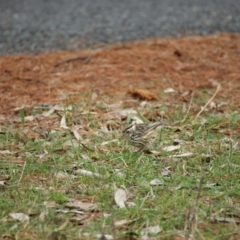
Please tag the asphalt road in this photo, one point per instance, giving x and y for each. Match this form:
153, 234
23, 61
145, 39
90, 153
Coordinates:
46, 25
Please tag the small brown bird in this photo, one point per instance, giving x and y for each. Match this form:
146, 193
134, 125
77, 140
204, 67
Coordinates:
141, 135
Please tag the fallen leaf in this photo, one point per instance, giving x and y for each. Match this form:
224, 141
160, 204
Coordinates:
78, 218
156, 182
63, 123
171, 148
169, 90
144, 104
49, 112
6, 152
120, 197
122, 222
117, 172
70, 211
156, 153
88, 173
50, 204
63, 108
226, 220
29, 118
143, 94
107, 142
178, 187
70, 143
112, 106
75, 133
166, 171
212, 105
179, 142
86, 206
211, 185
20, 217
102, 236
63, 176
123, 113
150, 230
131, 204
187, 154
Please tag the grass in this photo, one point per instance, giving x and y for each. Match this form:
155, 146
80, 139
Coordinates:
197, 199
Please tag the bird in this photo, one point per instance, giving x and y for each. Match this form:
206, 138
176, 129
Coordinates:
141, 135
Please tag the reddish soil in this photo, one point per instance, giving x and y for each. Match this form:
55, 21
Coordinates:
156, 64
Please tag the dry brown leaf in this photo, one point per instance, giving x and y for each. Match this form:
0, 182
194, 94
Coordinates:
86, 206
143, 94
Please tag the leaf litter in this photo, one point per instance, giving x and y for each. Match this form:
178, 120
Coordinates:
97, 119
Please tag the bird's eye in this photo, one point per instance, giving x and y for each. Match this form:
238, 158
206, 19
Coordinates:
127, 131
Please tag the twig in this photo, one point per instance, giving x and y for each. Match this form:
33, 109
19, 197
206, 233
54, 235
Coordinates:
24, 166
209, 101
189, 107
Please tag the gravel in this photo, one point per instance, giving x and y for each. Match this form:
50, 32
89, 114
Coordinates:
33, 26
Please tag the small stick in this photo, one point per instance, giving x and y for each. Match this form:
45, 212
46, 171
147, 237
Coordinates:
209, 101
24, 166
189, 107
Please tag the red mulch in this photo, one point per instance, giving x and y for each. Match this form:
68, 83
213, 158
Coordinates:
156, 64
